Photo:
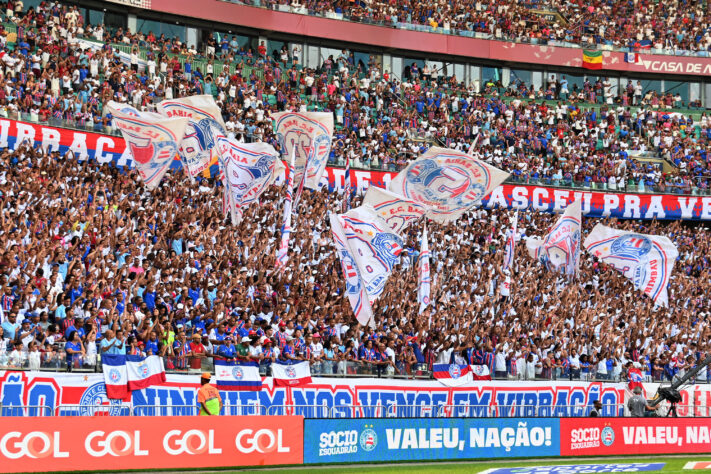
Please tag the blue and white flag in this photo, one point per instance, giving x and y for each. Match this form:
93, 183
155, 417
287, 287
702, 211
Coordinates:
645, 259
153, 139
374, 246
198, 145
291, 373
347, 188
115, 376
423, 273
144, 371
511, 243
124, 373
237, 375
249, 168
283, 251
560, 248
452, 375
448, 182
308, 136
396, 210
355, 288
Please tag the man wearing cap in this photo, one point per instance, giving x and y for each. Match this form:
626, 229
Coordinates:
208, 397
226, 350
243, 348
281, 335
197, 352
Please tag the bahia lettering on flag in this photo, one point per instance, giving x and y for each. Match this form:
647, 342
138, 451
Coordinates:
237, 375
647, 260
283, 250
125, 373
249, 168
423, 273
198, 145
447, 182
291, 373
153, 139
397, 211
308, 136
374, 246
452, 375
560, 248
511, 243
355, 289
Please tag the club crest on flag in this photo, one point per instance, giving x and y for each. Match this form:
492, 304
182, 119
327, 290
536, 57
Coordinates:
114, 375
237, 373
454, 371
308, 135
290, 372
143, 370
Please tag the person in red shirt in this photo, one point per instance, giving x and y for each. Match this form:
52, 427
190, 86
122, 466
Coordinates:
197, 352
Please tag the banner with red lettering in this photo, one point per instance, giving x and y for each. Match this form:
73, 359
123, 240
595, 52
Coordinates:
112, 149
34, 444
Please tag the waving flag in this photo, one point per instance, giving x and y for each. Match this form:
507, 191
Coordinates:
423, 273
115, 376
153, 139
308, 136
124, 373
635, 378
396, 210
198, 145
237, 375
647, 260
248, 169
375, 248
355, 289
481, 372
511, 243
560, 249
448, 182
291, 373
347, 188
282, 252
452, 375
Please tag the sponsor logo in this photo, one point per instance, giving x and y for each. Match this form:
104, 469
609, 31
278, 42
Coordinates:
585, 438
177, 442
114, 443
262, 441
580, 468
34, 445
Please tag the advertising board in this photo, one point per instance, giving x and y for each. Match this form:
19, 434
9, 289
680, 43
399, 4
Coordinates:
36, 444
373, 440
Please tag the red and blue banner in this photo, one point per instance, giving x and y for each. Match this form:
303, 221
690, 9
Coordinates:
237, 375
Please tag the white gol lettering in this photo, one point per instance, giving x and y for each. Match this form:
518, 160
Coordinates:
186, 443
27, 445
248, 441
107, 444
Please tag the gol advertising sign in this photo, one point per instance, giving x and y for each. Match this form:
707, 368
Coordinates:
582, 437
35, 444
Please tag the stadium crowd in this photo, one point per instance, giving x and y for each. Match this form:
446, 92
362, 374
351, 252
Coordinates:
672, 26
92, 263
558, 134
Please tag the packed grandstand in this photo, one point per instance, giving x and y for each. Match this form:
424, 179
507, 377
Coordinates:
90, 254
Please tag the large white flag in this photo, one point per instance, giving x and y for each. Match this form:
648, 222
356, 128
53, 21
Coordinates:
309, 135
375, 247
397, 211
248, 169
647, 260
560, 248
197, 147
355, 289
448, 182
511, 243
152, 139
283, 250
423, 273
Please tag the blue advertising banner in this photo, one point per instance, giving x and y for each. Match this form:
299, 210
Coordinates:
413, 439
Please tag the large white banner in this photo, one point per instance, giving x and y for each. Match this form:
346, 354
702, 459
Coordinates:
396, 210
448, 182
560, 248
647, 260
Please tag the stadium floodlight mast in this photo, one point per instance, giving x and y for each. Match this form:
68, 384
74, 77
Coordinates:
671, 393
